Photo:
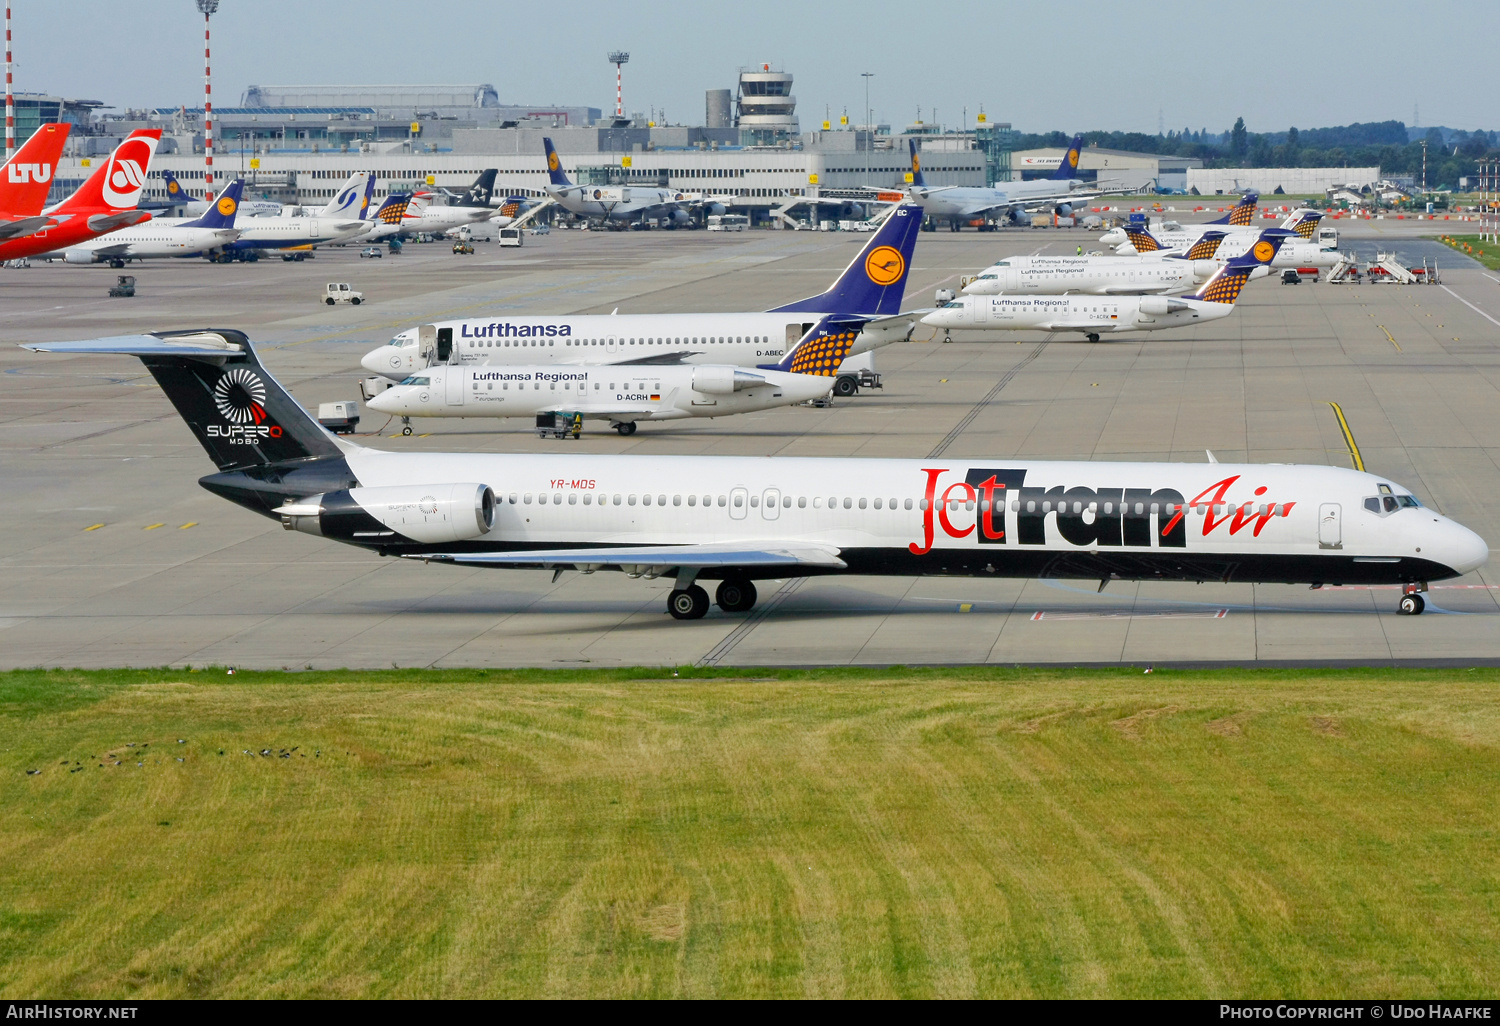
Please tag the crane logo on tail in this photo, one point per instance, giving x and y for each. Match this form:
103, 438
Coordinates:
1073, 159
227, 206
240, 396
885, 265
552, 162
1264, 251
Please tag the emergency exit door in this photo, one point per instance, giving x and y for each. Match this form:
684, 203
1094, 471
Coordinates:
1330, 526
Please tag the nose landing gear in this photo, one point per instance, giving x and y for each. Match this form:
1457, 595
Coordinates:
1412, 603
406, 425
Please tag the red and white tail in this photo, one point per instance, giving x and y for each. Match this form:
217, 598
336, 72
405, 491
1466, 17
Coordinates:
118, 184
26, 178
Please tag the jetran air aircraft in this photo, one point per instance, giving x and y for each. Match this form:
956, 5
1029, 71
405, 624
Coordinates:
202, 236
621, 202
1095, 316
869, 292
26, 179
737, 520
103, 203
624, 394
959, 204
1094, 275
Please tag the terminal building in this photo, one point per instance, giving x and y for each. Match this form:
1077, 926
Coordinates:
1112, 170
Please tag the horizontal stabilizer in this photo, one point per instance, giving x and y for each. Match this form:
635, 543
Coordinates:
101, 223
23, 226
202, 343
655, 560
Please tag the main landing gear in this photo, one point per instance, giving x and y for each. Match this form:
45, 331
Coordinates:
1412, 603
1092, 336
734, 595
626, 429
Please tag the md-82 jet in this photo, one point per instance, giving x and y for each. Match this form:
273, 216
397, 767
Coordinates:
738, 520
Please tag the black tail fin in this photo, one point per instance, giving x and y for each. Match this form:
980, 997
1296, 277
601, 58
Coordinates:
240, 413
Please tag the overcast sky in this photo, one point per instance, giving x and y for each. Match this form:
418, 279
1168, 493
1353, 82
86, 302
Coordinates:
1060, 65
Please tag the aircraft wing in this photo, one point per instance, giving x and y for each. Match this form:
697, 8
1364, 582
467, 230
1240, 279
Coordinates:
654, 560
119, 249
23, 226
658, 359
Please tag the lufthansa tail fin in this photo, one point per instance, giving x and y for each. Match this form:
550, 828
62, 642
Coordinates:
221, 214
875, 281
26, 177
1069, 166
554, 166
175, 192
393, 209
118, 182
916, 165
1141, 239
1206, 246
513, 206
1227, 281
1243, 213
822, 349
352, 198
240, 414
1303, 222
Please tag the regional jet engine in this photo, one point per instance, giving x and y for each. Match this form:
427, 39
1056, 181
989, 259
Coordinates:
429, 514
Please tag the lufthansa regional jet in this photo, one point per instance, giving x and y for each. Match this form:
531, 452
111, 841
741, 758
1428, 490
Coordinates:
1095, 316
865, 298
739, 520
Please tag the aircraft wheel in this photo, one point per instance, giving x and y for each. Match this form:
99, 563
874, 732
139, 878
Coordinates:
1412, 605
688, 604
1092, 337
736, 595
626, 428
406, 431
846, 385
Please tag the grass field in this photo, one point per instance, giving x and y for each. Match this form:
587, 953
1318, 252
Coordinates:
824, 833
1483, 250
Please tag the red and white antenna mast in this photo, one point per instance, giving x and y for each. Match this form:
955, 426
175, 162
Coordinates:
10, 100
619, 58
208, 8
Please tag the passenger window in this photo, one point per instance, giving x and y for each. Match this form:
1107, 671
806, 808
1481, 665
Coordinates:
630, 500
801, 502
817, 502
588, 500
878, 503
513, 498
907, 504
861, 503
692, 500
617, 499
723, 501
527, 499
572, 498
661, 500
786, 502
645, 500
677, 500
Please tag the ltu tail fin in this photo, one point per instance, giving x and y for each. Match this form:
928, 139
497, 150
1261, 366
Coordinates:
1141, 239
26, 177
1206, 246
117, 184
554, 165
1243, 213
916, 165
823, 348
240, 414
875, 281
1225, 285
1069, 166
221, 214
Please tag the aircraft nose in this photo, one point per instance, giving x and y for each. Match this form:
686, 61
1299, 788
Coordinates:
385, 402
381, 361
939, 318
1462, 549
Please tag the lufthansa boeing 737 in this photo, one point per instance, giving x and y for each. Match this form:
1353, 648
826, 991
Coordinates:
959, 204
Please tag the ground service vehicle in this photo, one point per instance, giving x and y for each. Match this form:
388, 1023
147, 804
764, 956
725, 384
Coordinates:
340, 292
371, 253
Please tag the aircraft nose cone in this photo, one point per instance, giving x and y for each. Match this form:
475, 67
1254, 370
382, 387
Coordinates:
1464, 550
385, 402
384, 360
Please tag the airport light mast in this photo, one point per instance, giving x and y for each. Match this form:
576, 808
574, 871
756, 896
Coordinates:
208, 9
619, 58
10, 100
869, 132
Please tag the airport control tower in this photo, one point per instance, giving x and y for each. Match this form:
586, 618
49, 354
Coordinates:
766, 112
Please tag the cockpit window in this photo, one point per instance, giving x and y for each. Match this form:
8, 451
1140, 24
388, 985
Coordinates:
1408, 502
402, 340
415, 380
951, 304
1388, 502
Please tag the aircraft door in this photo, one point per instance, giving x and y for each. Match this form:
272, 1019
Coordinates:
455, 385
312, 229
982, 309
426, 344
739, 501
445, 345
770, 504
1330, 528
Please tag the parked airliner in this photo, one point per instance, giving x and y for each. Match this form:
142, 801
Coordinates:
202, 236
1098, 275
1295, 251
26, 179
1095, 316
621, 203
868, 291
742, 519
959, 204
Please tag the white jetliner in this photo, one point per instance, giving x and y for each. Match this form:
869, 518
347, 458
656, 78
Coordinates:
1148, 274
177, 197
1238, 224
866, 297
738, 520
206, 235
1111, 315
1295, 251
623, 394
622, 203
421, 215
959, 204
342, 220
